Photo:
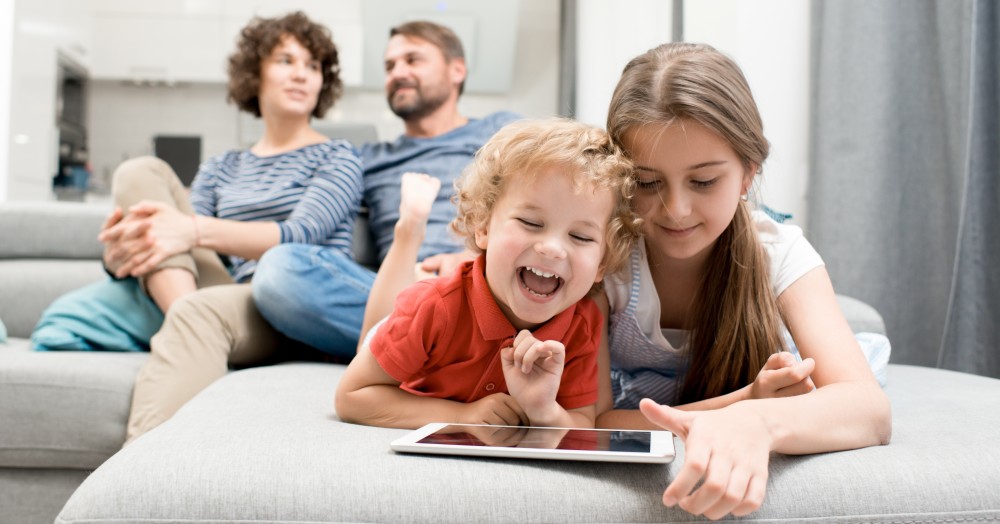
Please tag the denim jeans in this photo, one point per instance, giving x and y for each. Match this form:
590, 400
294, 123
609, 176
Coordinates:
313, 294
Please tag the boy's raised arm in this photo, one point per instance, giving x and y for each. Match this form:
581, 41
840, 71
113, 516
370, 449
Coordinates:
533, 370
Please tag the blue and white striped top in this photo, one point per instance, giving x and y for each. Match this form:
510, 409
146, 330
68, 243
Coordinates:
313, 193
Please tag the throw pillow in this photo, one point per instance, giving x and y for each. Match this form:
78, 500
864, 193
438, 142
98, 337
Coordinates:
114, 315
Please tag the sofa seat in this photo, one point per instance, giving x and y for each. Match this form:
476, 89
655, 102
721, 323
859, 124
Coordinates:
71, 407
264, 445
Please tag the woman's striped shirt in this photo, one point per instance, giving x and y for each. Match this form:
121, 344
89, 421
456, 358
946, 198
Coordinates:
313, 193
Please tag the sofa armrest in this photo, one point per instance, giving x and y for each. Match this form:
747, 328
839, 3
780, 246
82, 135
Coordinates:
862, 317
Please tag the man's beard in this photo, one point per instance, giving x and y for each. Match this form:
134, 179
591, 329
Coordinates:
422, 105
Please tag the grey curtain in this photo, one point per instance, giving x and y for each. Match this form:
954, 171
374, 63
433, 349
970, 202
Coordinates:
904, 191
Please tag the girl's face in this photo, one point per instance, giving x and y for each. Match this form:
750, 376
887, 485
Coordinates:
689, 182
290, 80
544, 245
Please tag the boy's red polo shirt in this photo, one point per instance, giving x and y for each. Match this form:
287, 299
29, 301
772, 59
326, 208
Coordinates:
444, 336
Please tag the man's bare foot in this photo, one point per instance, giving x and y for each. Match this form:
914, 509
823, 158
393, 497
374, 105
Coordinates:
418, 192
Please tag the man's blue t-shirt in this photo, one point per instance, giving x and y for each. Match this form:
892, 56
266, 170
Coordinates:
444, 157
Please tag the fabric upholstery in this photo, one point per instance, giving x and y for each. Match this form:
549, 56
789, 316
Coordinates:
36, 283
34, 496
296, 462
51, 230
63, 410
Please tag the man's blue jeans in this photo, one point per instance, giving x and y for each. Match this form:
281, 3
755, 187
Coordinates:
313, 294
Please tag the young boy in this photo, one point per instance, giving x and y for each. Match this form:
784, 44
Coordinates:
546, 204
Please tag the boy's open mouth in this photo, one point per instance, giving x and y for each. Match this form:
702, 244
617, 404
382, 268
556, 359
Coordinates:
538, 282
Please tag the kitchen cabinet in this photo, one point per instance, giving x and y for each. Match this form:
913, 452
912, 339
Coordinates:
190, 40
165, 48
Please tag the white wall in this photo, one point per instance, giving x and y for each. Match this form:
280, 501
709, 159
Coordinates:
768, 38
6, 59
42, 29
607, 36
124, 117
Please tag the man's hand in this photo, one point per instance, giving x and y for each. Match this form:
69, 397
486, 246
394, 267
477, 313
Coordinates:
783, 376
446, 263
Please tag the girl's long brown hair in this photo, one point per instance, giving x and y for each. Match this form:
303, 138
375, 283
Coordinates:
734, 322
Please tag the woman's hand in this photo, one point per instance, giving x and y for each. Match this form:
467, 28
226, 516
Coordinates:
783, 376
151, 233
726, 450
123, 237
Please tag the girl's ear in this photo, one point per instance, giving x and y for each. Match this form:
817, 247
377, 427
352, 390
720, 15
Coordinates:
748, 177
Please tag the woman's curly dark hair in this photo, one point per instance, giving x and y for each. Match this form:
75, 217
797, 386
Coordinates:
260, 37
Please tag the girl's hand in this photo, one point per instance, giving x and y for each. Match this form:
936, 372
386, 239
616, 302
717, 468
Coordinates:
783, 376
498, 409
533, 370
168, 232
726, 450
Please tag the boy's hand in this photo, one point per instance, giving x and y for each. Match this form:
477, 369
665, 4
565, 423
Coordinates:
498, 409
783, 376
498, 436
533, 370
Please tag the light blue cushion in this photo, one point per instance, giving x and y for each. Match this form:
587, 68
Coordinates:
113, 315
3, 332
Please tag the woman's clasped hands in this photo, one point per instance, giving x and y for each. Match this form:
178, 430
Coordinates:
150, 233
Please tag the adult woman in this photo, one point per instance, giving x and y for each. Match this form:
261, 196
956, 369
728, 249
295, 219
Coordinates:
292, 185
698, 319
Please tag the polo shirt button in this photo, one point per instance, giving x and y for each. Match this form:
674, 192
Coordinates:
491, 386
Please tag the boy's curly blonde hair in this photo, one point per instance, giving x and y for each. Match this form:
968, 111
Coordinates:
526, 148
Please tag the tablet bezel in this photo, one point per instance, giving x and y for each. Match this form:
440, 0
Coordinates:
661, 447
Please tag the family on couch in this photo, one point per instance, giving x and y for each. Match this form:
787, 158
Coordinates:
698, 317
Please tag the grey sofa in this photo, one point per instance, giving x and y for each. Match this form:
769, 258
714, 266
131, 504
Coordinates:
264, 444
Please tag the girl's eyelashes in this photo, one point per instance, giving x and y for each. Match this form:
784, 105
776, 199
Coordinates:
704, 184
528, 223
647, 184
581, 238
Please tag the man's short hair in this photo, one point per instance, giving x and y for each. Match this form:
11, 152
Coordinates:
438, 35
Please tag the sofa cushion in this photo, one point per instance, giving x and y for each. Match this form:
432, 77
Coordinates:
36, 283
862, 317
63, 410
51, 229
263, 445
113, 315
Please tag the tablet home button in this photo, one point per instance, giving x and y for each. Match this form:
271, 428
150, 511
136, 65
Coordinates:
491, 386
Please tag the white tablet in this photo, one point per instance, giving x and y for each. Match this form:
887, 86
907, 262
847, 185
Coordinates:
604, 445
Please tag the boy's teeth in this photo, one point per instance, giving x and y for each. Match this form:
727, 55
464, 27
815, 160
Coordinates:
541, 273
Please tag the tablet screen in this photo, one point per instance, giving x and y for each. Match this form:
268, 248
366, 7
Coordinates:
543, 438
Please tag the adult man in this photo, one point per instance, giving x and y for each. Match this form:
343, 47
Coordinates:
318, 296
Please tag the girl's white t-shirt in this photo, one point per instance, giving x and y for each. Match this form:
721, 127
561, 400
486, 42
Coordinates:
791, 256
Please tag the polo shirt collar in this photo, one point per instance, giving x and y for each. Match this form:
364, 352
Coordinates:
493, 324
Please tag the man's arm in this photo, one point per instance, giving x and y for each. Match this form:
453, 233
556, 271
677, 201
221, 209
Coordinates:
445, 263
